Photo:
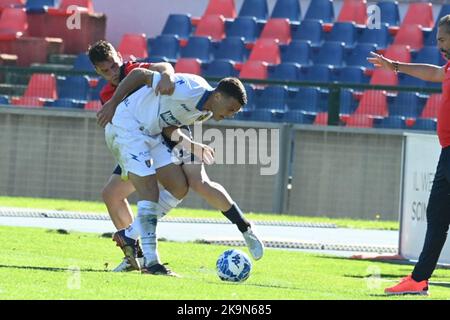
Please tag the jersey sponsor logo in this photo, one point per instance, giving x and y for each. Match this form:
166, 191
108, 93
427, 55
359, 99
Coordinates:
185, 107
169, 118
203, 117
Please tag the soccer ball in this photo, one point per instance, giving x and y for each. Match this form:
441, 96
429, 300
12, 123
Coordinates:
233, 265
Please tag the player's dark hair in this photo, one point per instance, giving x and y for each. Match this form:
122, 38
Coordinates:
233, 87
445, 22
100, 51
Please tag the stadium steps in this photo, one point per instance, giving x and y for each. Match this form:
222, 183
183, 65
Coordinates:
12, 89
66, 59
51, 67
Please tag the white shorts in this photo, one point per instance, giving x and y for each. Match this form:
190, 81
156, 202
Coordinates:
137, 152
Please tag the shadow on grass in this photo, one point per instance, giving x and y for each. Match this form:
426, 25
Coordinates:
53, 269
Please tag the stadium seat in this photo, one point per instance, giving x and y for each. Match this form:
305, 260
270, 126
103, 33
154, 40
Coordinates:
13, 23
432, 106
410, 35
133, 46
409, 81
4, 99
359, 121
188, 65
310, 30
225, 8
343, 32
378, 36
425, 124
211, 26
330, 53
93, 105
266, 50
389, 12
167, 46
373, 102
82, 63
299, 117
406, 104
254, 70
353, 10
391, 122
28, 102
73, 87
39, 6
384, 77
41, 85
284, 71
320, 10
179, 25
430, 55
297, 51
308, 99
65, 103
399, 53
316, 73
289, 9
351, 74
358, 56
11, 4
254, 8
243, 27
220, 69
419, 14
83, 5
347, 102
321, 119
199, 48
277, 28
272, 97
232, 48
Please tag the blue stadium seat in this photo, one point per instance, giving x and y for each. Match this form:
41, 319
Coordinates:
39, 6
65, 103
409, 81
315, 73
351, 74
425, 124
358, 56
348, 103
254, 8
311, 30
394, 122
298, 51
82, 63
330, 53
380, 37
73, 87
4, 99
389, 12
231, 48
198, 47
430, 55
308, 99
178, 24
273, 97
299, 117
167, 46
320, 10
406, 104
343, 32
289, 9
220, 69
284, 71
243, 27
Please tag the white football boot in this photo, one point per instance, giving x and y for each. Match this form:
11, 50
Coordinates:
125, 265
254, 245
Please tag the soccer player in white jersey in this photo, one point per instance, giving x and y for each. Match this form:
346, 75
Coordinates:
141, 117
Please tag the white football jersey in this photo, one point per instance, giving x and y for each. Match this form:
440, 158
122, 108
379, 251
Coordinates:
145, 111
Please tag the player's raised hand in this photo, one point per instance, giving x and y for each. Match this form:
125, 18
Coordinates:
166, 85
380, 61
106, 113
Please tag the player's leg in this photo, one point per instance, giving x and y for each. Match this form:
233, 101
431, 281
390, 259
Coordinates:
216, 196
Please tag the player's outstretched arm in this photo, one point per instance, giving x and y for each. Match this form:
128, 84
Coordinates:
167, 83
425, 72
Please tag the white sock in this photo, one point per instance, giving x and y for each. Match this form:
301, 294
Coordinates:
148, 212
167, 201
133, 231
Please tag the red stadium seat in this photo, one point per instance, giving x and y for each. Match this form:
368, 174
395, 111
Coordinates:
353, 10
277, 28
133, 45
42, 85
359, 121
432, 106
384, 77
410, 35
11, 4
188, 65
85, 6
28, 102
420, 14
93, 105
225, 8
398, 52
254, 70
374, 103
321, 119
266, 50
13, 23
211, 26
